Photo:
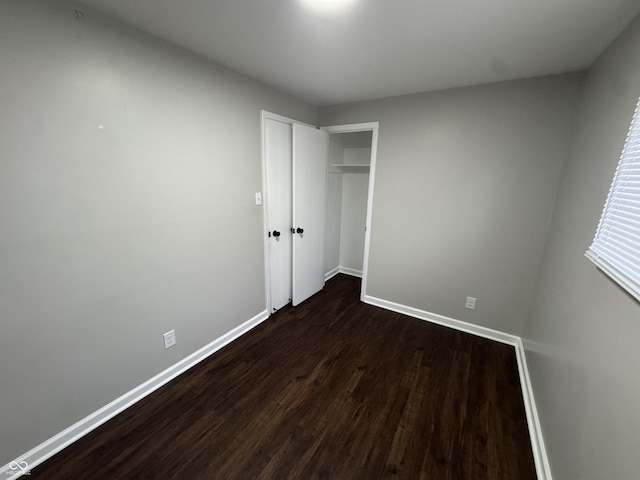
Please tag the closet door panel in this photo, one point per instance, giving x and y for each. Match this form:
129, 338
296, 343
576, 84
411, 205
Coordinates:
310, 150
278, 180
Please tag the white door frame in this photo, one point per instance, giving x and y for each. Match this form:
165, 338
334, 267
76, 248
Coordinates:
265, 115
373, 128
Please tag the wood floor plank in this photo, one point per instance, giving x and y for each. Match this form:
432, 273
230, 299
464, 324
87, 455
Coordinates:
331, 389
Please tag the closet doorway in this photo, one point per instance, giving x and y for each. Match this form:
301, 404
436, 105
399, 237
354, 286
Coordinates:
350, 181
314, 180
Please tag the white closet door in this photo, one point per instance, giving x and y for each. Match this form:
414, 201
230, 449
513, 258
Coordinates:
278, 151
310, 150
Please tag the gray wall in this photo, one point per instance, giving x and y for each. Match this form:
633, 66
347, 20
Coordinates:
355, 187
128, 169
334, 204
582, 339
464, 189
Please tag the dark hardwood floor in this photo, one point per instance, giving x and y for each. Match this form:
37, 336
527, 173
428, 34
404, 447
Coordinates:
332, 389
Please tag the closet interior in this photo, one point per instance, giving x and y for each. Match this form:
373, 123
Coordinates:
348, 166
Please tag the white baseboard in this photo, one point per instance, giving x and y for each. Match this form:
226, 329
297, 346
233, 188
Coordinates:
351, 271
331, 273
346, 270
541, 460
445, 321
47, 449
535, 430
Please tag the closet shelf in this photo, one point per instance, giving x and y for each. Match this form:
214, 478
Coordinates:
351, 165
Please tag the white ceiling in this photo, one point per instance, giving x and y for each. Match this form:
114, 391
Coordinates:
380, 48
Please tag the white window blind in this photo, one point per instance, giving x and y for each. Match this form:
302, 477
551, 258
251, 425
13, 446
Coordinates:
616, 246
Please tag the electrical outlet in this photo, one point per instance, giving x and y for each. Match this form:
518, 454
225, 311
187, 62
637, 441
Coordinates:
169, 339
258, 198
471, 303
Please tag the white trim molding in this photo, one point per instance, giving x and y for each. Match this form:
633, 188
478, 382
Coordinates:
331, 273
535, 430
540, 458
34, 457
346, 270
445, 321
350, 271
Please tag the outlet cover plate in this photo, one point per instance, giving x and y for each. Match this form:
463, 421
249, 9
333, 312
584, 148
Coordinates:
471, 303
169, 339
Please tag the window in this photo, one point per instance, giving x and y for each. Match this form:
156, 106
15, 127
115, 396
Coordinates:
616, 246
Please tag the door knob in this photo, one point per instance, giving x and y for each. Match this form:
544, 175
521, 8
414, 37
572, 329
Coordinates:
299, 230
276, 233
